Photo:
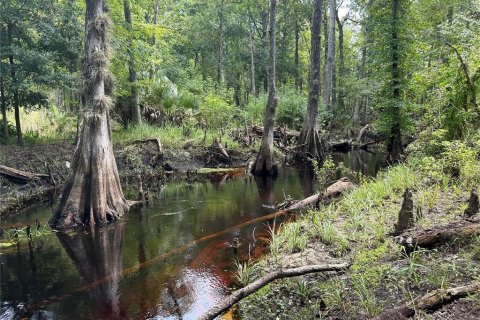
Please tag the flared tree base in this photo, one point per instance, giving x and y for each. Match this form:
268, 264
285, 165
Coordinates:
93, 194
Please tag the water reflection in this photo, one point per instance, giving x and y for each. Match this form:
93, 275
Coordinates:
99, 256
175, 257
360, 161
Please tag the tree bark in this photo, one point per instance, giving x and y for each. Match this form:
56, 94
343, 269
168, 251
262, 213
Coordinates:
132, 73
244, 292
4, 109
330, 63
309, 143
252, 60
394, 147
265, 163
93, 193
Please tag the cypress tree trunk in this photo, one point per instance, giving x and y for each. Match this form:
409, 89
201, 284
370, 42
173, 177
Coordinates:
265, 163
395, 148
93, 193
4, 109
132, 73
330, 63
309, 143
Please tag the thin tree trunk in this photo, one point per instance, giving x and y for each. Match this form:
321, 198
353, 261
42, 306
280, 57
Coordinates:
221, 49
309, 143
93, 193
265, 163
361, 72
4, 109
298, 80
154, 40
395, 148
252, 60
330, 63
14, 86
132, 73
264, 17
341, 69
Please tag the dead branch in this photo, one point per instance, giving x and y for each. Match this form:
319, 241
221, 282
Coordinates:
431, 237
333, 191
238, 295
16, 174
430, 302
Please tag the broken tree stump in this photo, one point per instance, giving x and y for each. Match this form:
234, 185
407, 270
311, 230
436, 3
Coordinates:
244, 292
430, 237
16, 174
473, 204
430, 302
405, 216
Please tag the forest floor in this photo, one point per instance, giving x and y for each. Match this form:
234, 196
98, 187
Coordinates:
382, 275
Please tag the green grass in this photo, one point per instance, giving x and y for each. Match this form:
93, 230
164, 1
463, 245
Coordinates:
357, 227
173, 137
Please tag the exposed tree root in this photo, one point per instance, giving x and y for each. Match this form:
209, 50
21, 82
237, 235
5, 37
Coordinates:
430, 302
238, 295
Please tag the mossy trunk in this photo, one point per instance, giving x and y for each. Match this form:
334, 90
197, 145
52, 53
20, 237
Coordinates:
93, 193
265, 162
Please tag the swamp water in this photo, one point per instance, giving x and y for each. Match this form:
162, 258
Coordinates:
171, 260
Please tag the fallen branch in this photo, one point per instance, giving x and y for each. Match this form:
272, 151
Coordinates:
16, 174
430, 237
430, 302
238, 295
333, 191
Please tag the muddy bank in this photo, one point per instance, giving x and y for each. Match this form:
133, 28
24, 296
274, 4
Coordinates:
135, 161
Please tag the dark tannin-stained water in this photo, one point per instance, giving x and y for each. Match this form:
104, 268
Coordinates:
171, 260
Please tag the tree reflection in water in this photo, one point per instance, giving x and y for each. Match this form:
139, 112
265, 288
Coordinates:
96, 256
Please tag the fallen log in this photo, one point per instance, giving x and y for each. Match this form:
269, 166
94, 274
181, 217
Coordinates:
430, 237
238, 295
16, 174
430, 302
333, 191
